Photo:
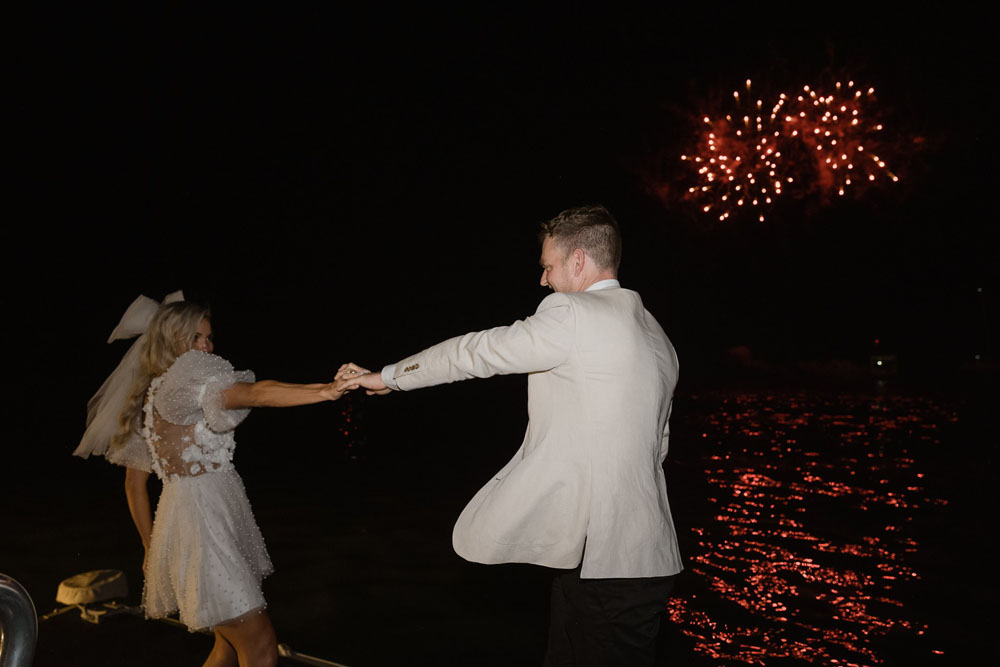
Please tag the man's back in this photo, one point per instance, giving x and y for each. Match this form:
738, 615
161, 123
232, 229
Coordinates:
608, 406
585, 492
601, 379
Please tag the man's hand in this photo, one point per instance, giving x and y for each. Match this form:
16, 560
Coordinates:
372, 383
343, 382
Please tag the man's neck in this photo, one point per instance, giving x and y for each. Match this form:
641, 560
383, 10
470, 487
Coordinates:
593, 280
603, 275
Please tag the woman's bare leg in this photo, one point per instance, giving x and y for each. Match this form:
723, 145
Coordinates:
223, 654
253, 639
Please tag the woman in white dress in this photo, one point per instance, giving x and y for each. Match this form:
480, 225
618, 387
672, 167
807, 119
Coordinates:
205, 557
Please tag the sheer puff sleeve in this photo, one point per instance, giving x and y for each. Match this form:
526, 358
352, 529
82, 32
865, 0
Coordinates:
193, 388
133, 454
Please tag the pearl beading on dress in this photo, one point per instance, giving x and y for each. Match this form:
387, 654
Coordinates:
206, 555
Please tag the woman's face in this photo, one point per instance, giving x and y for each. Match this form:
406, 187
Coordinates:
203, 337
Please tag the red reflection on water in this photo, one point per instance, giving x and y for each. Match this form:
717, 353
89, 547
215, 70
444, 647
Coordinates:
791, 562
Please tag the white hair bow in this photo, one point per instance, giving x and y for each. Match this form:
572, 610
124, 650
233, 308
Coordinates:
140, 313
104, 406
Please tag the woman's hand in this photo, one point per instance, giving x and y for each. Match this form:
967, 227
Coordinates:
337, 388
343, 382
356, 377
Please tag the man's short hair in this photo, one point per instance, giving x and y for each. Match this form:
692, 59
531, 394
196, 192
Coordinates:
592, 229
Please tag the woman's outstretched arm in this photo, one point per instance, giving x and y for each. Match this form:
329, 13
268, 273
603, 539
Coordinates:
273, 394
137, 494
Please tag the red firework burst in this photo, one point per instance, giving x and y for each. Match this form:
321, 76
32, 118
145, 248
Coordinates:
812, 142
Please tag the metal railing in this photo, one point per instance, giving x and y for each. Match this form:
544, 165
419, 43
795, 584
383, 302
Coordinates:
18, 624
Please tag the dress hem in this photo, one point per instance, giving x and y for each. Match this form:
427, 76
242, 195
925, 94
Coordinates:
239, 618
210, 626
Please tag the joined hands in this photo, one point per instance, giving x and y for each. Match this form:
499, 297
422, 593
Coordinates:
351, 376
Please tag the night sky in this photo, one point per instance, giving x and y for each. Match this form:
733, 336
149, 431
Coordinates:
356, 184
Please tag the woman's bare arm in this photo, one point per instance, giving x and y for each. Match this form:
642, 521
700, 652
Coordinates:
137, 494
273, 394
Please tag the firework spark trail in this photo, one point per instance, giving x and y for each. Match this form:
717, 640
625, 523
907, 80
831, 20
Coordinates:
809, 141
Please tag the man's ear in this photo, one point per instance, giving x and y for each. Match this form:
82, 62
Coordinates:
579, 261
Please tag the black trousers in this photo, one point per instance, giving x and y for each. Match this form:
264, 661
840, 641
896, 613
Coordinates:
605, 622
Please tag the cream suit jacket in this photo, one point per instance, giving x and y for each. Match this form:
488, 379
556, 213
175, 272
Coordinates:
587, 482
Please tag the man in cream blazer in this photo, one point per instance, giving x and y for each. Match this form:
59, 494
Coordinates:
585, 492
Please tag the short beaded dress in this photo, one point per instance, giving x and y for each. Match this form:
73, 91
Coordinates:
206, 554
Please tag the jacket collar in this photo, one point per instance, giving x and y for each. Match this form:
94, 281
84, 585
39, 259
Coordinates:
610, 283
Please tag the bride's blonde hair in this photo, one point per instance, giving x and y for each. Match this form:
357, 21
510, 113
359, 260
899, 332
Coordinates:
170, 334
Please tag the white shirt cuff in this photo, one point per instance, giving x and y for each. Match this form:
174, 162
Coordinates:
387, 377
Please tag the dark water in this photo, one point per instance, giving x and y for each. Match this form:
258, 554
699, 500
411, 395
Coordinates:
817, 529
815, 537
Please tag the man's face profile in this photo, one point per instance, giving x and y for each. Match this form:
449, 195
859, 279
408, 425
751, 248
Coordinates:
556, 272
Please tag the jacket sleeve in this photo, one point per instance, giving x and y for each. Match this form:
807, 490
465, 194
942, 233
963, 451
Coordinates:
537, 343
133, 453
